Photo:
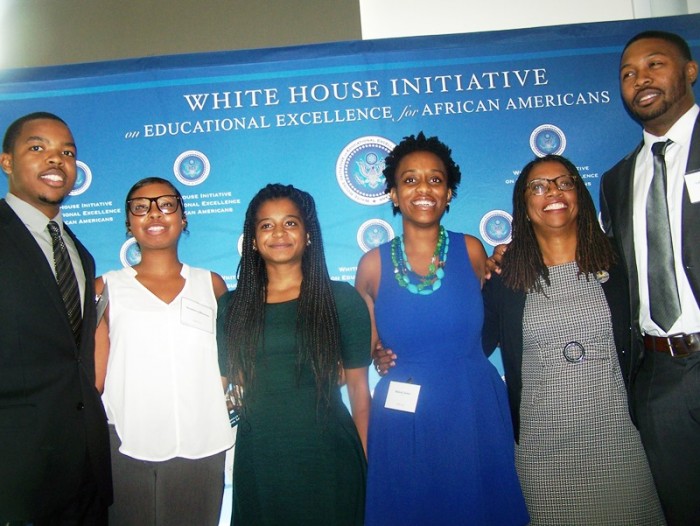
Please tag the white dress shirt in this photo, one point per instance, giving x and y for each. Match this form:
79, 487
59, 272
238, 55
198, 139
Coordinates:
676, 162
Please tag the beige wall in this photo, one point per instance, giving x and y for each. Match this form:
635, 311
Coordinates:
51, 32
381, 18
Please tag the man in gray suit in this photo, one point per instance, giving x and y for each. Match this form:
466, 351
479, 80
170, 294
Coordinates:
650, 204
54, 446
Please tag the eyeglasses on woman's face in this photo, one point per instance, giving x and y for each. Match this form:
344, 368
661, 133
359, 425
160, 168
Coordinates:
540, 186
140, 206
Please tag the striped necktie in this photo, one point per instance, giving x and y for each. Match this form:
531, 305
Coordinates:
65, 277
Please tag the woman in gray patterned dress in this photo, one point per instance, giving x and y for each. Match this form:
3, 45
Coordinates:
559, 311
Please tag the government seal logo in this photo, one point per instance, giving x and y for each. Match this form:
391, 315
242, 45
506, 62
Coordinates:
495, 227
373, 233
83, 178
130, 253
191, 167
359, 169
547, 139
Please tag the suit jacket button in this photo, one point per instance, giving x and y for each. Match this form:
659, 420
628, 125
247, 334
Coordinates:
80, 406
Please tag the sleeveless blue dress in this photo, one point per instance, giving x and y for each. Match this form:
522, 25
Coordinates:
452, 461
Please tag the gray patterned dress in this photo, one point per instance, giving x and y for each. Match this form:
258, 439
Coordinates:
580, 458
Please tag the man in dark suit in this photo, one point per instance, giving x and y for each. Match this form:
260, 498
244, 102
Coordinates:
54, 446
658, 240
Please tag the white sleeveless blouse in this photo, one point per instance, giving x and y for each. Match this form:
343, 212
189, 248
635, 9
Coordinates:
163, 390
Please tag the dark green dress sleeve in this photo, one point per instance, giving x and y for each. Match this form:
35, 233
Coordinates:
355, 328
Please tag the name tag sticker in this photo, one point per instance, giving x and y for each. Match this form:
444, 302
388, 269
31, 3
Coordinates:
402, 396
196, 315
692, 183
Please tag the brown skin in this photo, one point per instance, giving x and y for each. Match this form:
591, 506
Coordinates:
554, 220
159, 270
656, 86
656, 83
422, 195
281, 239
41, 168
553, 216
493, 263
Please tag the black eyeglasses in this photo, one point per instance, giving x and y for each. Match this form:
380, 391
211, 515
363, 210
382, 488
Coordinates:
140, 206
540, 186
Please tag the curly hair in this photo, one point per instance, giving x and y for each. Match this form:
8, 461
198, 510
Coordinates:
523, 264
317, 325
421, 143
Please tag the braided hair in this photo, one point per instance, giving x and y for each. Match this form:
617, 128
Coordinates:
523, 263
317, 324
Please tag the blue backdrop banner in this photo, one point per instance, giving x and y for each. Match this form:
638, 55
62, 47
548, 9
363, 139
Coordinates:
322, 117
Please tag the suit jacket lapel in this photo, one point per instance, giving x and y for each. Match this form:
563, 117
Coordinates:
36, 262
625, 193
694, 154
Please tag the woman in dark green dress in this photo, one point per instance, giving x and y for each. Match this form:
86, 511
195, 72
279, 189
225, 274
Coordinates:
286, 336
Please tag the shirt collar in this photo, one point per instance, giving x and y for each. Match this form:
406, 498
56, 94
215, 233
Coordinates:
33, 219
681, 131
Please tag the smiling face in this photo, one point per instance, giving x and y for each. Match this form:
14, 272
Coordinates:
555, 209
280, 234
41, 167
656, 83
156, 229
421, 191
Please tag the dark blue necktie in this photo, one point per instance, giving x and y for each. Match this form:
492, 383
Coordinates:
65, 277
664, 304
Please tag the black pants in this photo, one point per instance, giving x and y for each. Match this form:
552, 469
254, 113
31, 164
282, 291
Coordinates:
84, 509
667, 407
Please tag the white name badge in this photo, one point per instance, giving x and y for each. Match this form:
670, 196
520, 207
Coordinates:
196, 315
402, 396
692, 183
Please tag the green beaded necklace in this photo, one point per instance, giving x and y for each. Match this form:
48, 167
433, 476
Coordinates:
433, 280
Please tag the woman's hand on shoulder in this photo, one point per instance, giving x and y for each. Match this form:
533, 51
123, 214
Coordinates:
477, 256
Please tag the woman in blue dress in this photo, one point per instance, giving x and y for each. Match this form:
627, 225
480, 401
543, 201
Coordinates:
440, 444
